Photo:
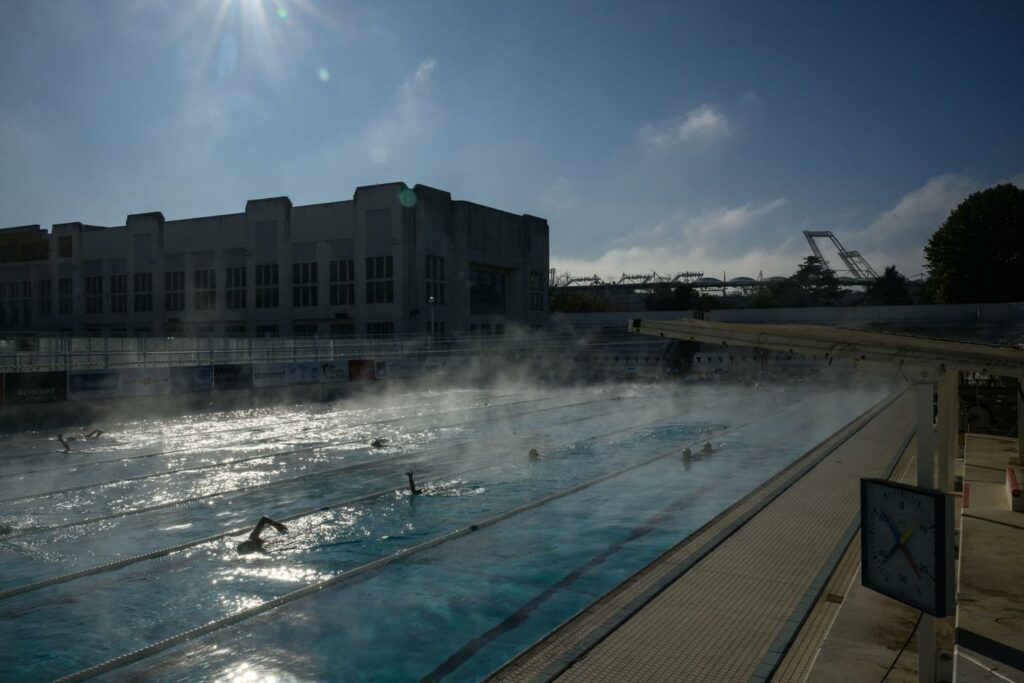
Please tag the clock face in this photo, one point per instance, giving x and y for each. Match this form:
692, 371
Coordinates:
904, 544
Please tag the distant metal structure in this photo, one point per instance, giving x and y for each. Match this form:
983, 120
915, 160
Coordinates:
856, 265
633, 280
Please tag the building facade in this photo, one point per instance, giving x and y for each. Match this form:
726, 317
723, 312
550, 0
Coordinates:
393, 260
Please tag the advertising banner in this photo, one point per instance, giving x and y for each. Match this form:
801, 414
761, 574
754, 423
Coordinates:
304, 372
226, 377
361, 370
270, 374
86, 384
33, 387
333, 371
144, 381
191, 379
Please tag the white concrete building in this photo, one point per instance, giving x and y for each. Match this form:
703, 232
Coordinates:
367, 266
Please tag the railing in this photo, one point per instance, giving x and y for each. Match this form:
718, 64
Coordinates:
27, 354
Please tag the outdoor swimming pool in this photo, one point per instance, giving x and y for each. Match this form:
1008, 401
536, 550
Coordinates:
168, 500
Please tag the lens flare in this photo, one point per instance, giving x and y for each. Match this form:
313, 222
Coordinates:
282, 13
323, 74
407, 198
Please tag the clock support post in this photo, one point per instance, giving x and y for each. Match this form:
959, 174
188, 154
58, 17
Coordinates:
926, 644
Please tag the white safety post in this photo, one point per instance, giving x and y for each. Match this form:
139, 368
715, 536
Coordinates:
1020, 421
926, 649
947, 433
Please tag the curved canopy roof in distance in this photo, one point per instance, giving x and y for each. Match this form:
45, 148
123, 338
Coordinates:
841, 342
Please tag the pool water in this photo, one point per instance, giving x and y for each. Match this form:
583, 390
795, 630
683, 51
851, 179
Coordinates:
454, 611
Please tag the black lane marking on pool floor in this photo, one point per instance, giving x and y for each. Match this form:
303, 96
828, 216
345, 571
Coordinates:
312, 589
17, 533
138, 456
326, 411
307, 448
464, 653
785, 478
119, 564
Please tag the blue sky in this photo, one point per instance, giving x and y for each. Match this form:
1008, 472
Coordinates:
660, 135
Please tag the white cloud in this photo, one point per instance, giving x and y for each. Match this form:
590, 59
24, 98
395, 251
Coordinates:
413, 109
709, 240
700, 123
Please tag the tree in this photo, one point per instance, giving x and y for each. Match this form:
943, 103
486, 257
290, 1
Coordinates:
811, 285
977, 255
819, 285
681, 298
567, 301
888, 290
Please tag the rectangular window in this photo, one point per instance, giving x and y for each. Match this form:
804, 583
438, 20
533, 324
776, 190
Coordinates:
142, 291
65, 296
237, 331
26, 302
536, 291
174, 291
45, 302
304, 329
118, 293
266, 288
380, 330
94, 295
304, 289
380, 287
64, 247
3, 303
235, 288
267, 330
175, 329
206, 289
342, 330
343, 282
435, 279
486, 292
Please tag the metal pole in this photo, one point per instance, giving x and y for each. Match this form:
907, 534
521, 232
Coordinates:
926, 646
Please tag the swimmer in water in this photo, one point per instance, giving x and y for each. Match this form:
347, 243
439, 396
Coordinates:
707, 448
254, 543
66, 443
687, 453
379, 442
412, 484
534, 455
94, 434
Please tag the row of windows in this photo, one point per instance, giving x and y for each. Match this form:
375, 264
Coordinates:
305, 288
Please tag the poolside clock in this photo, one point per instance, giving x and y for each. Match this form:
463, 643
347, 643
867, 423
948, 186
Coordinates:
906, 549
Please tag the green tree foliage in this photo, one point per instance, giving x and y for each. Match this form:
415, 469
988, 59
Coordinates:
888, 290
567, 301
978, 253
680, 298
811, 285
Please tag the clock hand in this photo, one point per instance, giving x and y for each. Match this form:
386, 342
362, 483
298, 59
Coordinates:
908, 533
892, 526
910, 559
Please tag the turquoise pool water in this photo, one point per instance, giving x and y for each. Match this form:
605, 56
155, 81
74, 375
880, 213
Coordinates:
455, 611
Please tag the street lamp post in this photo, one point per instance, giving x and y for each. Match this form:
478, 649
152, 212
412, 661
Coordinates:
431, 300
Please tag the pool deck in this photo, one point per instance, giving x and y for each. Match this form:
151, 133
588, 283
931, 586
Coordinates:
728, 603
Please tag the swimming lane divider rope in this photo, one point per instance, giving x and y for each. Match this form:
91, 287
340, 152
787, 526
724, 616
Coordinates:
218, 624
775, 486
91, 463
118, 564
226, 463
280, 482
325, 411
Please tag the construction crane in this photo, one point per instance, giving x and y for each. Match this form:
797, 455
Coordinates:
856, 265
